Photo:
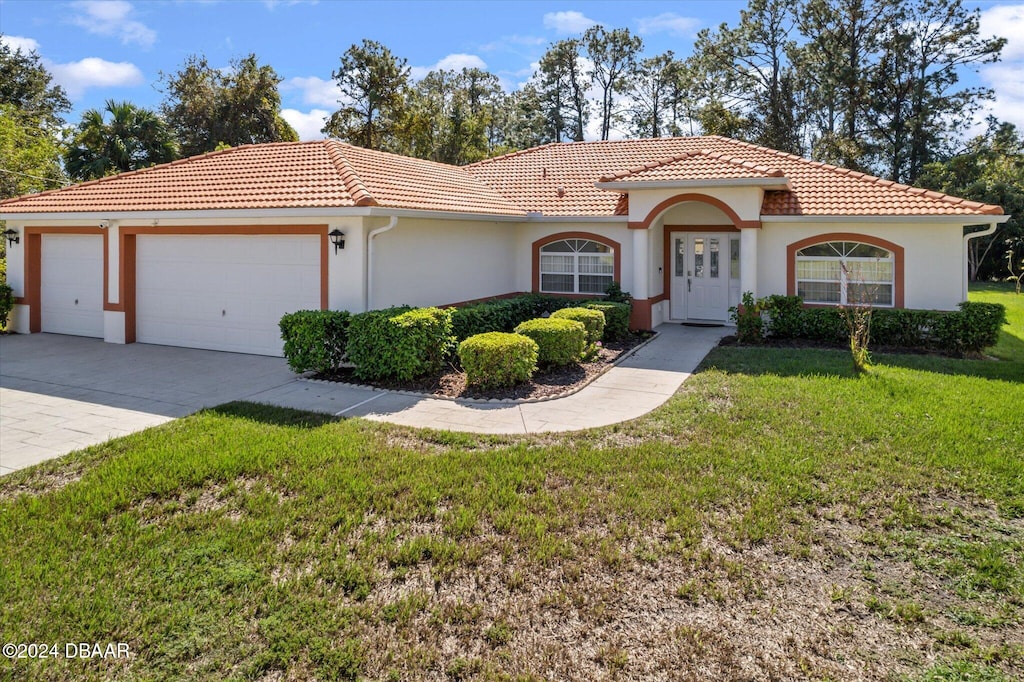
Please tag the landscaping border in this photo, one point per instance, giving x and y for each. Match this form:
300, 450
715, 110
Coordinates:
490, 401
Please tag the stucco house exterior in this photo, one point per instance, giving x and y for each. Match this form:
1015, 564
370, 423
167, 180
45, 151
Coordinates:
210, 251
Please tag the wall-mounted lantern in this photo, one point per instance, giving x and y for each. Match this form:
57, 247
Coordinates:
11, 235
337, 238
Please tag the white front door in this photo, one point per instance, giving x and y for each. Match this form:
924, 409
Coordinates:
72, 284
700, 276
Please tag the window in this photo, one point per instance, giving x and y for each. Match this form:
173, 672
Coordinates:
840, 273
576, 266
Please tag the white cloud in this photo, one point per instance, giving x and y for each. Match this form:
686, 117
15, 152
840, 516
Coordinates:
453, 62
506, 42
16, 43
77, 77
111, 18
315, 91
1006, 21
668, 22
567, 23
307, 125
1006, 78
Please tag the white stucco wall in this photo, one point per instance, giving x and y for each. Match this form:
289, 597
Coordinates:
746, 201
434, 262
933, 252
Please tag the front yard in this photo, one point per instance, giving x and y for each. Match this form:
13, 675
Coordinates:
779, 518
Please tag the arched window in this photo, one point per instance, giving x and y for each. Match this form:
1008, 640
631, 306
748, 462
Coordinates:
576, 266
845, 272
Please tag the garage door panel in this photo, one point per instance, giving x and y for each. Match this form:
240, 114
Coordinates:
71, 284
223, 292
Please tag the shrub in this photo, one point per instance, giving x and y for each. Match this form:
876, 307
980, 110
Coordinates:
399, 343
592, 319
614, 293
496, 359
6, 303
315, 339
560, 342
974, 327
616, 318
502, 314
747, 316
785, 316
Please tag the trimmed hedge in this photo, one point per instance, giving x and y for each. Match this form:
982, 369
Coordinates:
496, 359
968, 330
616, 318
502, 314
315, 340
561, 342
6, 303
592, 319
399, 343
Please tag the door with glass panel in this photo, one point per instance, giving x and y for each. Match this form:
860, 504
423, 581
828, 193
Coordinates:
700, 275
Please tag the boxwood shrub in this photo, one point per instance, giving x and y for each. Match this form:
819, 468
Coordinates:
616, 318
315, 340
560, 342
496, 359
399, 343
6, 303
968, 330
592, 319
502, 314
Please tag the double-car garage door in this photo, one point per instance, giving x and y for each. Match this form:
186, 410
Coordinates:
214, 291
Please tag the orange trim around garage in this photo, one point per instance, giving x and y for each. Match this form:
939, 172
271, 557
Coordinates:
614, 245
666, 251
681, 198
129, 234
34, 269
896, 249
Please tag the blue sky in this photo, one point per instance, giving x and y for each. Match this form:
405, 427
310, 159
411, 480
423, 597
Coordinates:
101, 50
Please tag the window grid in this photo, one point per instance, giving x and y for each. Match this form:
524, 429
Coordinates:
576, 266
853, 271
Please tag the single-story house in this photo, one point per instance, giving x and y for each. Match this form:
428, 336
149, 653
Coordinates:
210, 251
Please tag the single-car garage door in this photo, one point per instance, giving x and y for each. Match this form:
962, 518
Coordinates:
223, 292
71, 296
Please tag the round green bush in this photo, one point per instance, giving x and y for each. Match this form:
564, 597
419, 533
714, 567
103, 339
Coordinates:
616, 318
593, 320
561, 341
496, 359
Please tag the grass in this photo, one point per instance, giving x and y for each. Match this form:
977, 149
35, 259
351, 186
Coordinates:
1011, 340
778, 518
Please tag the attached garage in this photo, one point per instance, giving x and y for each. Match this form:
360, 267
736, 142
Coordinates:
71, 284
223, 291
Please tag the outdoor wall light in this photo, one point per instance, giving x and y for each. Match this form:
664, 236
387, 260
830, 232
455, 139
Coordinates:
12, 236
337, 238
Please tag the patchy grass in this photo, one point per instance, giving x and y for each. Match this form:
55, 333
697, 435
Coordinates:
1011, 339
779, 518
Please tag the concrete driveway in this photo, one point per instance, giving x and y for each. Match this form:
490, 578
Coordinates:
61, 393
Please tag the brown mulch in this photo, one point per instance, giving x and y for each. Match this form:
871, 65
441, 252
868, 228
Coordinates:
451, 382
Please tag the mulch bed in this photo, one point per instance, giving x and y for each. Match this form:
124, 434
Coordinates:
451, 382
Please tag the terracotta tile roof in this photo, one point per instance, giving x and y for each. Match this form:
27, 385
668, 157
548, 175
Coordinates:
532, 178
698, 165
324, 173
555, 179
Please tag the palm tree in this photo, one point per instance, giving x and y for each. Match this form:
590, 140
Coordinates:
134, 138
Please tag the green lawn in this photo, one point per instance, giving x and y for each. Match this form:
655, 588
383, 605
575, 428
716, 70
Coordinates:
1011, 340
778, 518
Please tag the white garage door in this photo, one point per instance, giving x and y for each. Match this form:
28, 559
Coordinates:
72, 284
223, 292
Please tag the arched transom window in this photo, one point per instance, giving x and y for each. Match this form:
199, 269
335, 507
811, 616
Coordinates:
576, 266
841, 273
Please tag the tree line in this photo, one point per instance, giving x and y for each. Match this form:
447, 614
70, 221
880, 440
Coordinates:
871, 85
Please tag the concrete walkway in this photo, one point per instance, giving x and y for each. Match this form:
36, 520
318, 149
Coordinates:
63, 393
635, 387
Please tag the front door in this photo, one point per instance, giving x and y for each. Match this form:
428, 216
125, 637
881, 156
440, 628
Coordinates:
700, 276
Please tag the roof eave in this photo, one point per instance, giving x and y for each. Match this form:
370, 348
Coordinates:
764, 183
961, 218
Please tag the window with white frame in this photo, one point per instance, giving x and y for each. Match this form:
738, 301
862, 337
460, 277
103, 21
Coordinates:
841, 273
576, 266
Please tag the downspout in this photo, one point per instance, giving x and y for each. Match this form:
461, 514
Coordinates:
368, 289
967, 237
